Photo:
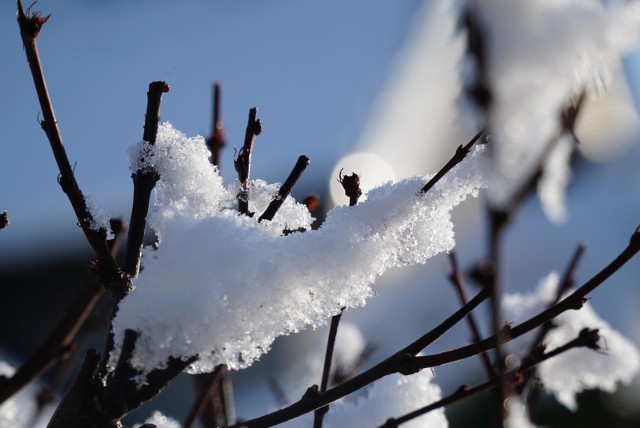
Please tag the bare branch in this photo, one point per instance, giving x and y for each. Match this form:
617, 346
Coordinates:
285, 189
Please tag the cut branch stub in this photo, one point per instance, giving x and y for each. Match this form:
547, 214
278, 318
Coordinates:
216, 141
144, 182
242, 162
351, 186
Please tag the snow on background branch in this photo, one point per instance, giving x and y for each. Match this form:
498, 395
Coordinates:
223, 286
578, 369
539, 54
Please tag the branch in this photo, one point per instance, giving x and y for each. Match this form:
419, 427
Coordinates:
216, 142
285, 189
351, 186
406, 362
113, 277
586, 338
242, 162
144, 181
458, 156
456, 280
59, 342
205, 396
313, 401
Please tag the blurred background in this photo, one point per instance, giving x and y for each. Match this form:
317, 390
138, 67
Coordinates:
366, 85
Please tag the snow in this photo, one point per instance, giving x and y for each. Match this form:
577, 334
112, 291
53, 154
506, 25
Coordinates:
100, 219
555, 178
20, 411
517, 416
223, 286
540, 53
160, 421
393, 395
578, 369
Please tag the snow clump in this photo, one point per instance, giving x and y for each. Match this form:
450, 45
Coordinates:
223, 286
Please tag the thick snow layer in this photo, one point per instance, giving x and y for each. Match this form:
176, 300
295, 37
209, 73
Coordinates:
539, 54
223, 286
578, 369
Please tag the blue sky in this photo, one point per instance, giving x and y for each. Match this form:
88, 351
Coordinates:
312, 68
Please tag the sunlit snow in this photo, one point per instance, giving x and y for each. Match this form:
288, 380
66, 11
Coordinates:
223, 286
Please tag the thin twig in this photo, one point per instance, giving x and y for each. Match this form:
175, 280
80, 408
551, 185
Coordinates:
406, 363
458, 156
216, 141
565, 284
242, 162
285, 189
319, 414
351, 186
204, 398
113, 277
456, 280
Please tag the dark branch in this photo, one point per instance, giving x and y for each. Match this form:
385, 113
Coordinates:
586, 338
61, 338
285, 189
456, 280
206, 395
351, 186
458, 156
216, 141
144, 181
242, 162
326, 370
113, 277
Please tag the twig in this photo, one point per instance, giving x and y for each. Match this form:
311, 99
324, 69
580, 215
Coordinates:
216, 141
285, 189
113, 277
565, 284
242, 162
351, 186
326, 371
456, 280
205, 396
458, 156
498, 220
586, 338
144, 181
406, 362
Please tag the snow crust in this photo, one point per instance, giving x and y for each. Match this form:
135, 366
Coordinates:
578, 369
539, 54
223, 286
